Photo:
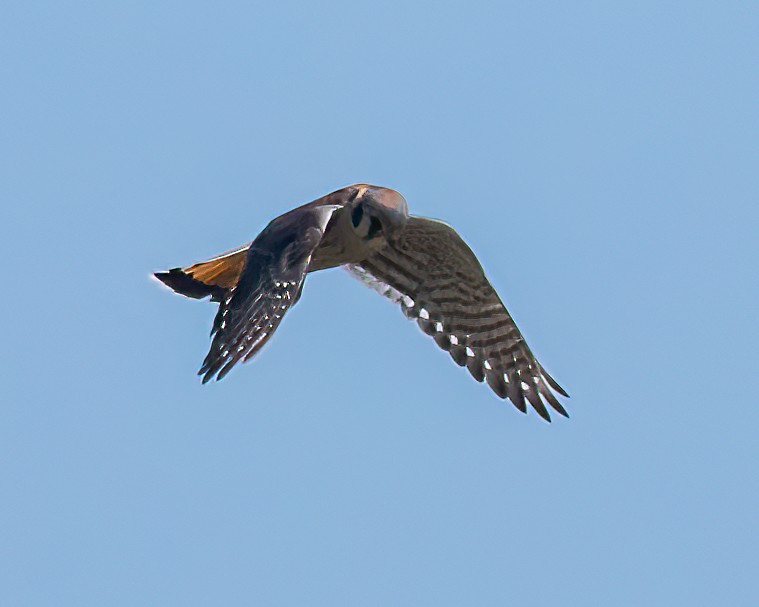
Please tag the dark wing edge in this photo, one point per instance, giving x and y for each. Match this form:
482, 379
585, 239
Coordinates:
436, 278
269, 285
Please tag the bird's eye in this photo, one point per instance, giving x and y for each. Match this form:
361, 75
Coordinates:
357, 214
375, 227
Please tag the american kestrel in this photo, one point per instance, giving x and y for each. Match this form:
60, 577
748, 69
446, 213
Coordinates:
420, 263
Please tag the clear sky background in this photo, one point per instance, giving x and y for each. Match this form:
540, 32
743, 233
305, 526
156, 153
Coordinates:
600, 157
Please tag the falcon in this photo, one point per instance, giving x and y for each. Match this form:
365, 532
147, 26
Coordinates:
420, 263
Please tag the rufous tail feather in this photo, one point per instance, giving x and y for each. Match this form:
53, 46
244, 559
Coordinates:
211, 278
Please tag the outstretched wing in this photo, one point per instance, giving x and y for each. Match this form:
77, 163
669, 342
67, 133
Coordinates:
270, 283
437, 280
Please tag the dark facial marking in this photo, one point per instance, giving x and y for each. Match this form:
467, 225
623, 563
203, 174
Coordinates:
357, 214
375, 227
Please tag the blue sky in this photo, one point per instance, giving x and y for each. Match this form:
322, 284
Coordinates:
600, 158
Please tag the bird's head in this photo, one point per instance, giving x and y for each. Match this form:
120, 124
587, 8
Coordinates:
376, 211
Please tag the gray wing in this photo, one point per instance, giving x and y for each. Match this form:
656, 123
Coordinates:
437, 280
270, 284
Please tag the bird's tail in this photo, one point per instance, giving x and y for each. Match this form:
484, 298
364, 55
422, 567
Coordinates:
214, 277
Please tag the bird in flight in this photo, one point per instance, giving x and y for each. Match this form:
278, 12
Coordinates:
421, 264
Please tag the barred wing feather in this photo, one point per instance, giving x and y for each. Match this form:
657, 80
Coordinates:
438, 281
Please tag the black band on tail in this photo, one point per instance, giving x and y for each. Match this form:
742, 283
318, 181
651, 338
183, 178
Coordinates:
186, 285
